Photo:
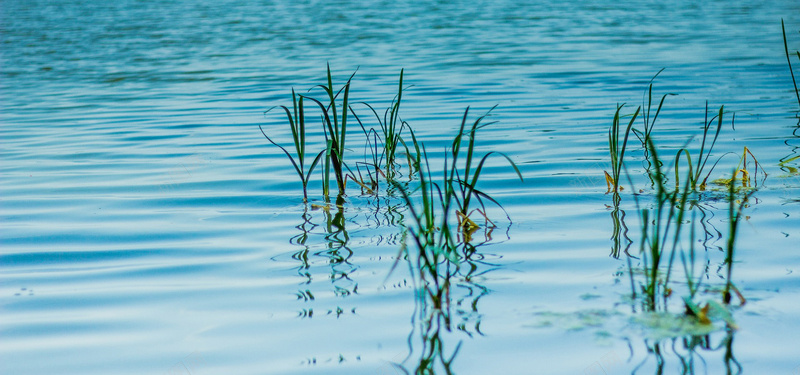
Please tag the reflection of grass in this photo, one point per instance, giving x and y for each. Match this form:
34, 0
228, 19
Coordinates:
734, 215
440, 259
669, 210
662, 236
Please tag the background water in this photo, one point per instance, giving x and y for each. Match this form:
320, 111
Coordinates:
148, 227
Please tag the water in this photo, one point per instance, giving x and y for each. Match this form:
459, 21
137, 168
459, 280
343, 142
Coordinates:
148, 228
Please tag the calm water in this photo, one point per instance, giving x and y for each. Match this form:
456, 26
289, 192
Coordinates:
148, 228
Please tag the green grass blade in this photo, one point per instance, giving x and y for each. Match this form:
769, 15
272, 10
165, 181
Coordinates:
789, 61
296, 167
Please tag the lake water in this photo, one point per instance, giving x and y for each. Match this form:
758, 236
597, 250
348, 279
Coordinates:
149, 228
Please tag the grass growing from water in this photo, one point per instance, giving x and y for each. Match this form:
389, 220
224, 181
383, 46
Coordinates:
335, 128
297, 124
391, 126
461, 185
789, 61
334, 112
618, 151
648, 117
438, 258
696, 171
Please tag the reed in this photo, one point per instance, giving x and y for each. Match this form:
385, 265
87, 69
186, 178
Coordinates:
391, 129
648, 118
297, 124
335, 129
789, 61
617, 150
461, 185
696, 171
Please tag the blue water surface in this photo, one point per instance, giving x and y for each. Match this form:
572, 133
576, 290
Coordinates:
149, 228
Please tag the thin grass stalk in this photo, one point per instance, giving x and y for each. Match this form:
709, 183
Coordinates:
390, 133
701, 161
689, 266
618, 152
652, 236
466, 185
296, 119
789, 61
334, 130
648, 124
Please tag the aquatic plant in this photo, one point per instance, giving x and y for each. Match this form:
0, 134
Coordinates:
662, 237
618, 151
648, 120
789, 61
437, 261
696, 172
461, 184
391, 127
297, 124
335, 129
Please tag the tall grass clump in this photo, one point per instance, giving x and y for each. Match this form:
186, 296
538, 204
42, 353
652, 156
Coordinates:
696, 171
433, 262
297, 124
391, 129
438, 254
663, 235
335, 128
462, 184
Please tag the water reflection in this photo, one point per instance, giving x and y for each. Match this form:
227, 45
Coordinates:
446, 304
621, 243
300, 239
335, 253
677, 231
690, 351
790, 163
